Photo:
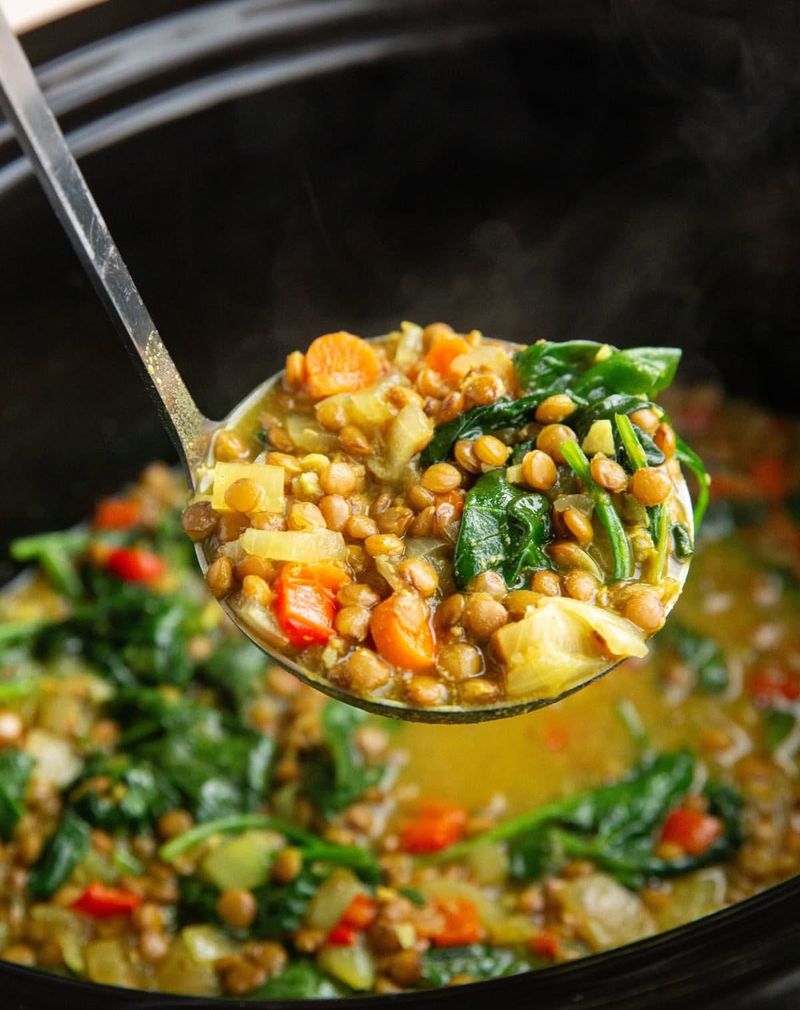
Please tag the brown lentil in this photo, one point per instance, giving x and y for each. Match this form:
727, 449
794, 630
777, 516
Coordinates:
550, 438
305, 515
230, 526
366, 671
287, 865
354, 440
547, 583
425, 691
229, 447
237, 907
645, 610
251, 565
459, 661
339, 478
419, 575
481, 388
579, 525
359, 527
466, 457
665, 439
244, 495
199, 520
580, 585
538, 470
608, 474
335, 511
554, 409
646, 419
478, 691
483, 616
450, 610
419, 497
357, 594
395, 520
352, 622
441, 477
650, 486
422, 524
384, 543
257, 590
220, 576
491, 450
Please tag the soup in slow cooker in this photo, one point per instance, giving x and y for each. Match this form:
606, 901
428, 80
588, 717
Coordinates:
178, 815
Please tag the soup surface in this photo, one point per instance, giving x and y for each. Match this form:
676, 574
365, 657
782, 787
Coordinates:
177, 815
441, 520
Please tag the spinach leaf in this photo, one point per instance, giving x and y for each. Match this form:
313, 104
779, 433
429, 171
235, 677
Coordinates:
441, 965
701, 654
684, 547
604, 409
236, 667
281, 909
688, 458
635, 371
62, 852
615, 826
300, 980
482, 420
136, 795
337, 775
15, 770
503, 528
778, 724
554, 367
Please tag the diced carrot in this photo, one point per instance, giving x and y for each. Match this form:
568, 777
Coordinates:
769, 684
135, 564
770, 477
402, 634
340, 363
545, 945
461, 923
438, 826
116, 514
305, 602
444, 350
693, 830
361, 912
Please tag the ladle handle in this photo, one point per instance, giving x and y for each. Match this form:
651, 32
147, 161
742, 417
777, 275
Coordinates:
62, 180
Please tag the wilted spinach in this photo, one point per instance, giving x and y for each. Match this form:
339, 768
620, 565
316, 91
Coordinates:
337, 774
135, 796
15, 770
62, 852
615, 826
482, 420
503, 529
700, 653
300, 980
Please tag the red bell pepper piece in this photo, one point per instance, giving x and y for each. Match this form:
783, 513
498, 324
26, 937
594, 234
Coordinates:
101, 902
545, 945
693, 830
305, 602
358, 916
770, 684
135, 564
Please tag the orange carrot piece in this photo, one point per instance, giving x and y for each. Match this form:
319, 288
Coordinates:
339, 363
401, 631
117, 514
437, 826
462, 924
693, 830
444, 350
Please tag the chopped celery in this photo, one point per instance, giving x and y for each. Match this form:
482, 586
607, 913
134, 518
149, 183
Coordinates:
241, 862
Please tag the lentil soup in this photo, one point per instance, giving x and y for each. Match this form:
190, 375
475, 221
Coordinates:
441, 520
176, 814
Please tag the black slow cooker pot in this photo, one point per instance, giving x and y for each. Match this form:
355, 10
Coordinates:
272, 170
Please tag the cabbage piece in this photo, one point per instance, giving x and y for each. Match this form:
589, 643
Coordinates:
352, 965
307, 435
269, 478
608, 914
407, 435
562, 642
294, 545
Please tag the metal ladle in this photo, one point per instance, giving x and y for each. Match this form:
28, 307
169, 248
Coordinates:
42, 140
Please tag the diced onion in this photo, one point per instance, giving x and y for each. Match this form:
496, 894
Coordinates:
56, 761
269, 478
599, 438
294, 545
